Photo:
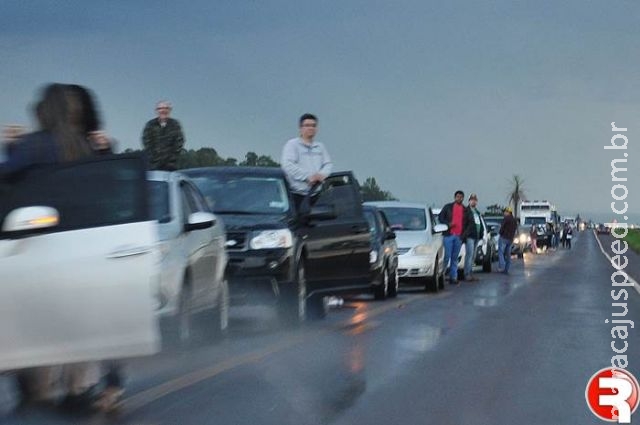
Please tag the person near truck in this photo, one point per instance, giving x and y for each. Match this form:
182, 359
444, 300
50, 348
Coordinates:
473, 232
507, 232
305, 161
453, 214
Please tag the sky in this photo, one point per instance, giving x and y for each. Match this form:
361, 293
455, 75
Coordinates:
427, 97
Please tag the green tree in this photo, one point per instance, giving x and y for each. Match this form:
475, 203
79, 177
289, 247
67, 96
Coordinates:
516, 193
372, 192
494, 209
203, 157
251, 159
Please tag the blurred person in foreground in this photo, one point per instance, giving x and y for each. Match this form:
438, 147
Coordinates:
69, 130
473, 232
507, 232
305, 162
163, 139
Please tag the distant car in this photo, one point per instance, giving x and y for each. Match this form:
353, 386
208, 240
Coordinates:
521, 241
419, 239
493, 226
603, 230
486, 249
194, 259
79, 260
384, 253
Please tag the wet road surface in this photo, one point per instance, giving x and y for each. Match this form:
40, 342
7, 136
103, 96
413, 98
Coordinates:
505, 350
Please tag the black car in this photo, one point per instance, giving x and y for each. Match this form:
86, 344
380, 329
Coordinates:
281, 253
384, 254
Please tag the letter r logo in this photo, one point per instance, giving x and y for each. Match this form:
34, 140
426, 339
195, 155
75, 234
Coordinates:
612, 395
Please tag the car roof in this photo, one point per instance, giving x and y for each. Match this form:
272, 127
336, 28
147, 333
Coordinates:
239, 171
395, 204
164, 176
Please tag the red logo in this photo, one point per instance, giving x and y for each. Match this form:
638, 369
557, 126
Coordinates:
612, 395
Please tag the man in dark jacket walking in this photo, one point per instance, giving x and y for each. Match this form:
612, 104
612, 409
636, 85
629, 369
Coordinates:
163, 139
507, 233
472, 233
453, 215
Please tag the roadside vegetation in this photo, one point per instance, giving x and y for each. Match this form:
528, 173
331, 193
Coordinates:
633, 239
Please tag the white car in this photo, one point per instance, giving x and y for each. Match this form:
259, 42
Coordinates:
79, 258
419, 240
193, 255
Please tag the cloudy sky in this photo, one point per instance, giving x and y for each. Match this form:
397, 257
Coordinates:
428, 97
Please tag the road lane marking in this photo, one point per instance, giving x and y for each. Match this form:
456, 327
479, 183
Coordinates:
148, 396
606, 254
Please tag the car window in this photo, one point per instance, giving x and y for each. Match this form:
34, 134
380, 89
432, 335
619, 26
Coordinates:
402, 218
338, 191
189, 205
86, 194
371, 220
159, 201
243, 194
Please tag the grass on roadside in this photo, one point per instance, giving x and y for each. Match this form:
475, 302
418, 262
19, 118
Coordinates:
633, 239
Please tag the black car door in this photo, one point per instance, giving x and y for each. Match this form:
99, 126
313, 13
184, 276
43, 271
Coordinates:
338, 249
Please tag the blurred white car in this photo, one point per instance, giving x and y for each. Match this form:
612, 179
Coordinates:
193, 255
419, 240
79, 260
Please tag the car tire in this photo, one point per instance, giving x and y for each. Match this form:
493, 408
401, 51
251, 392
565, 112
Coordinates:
520, 255
394, 283
486, 263
292, 303
441, 281
431, 282
316, 307
381, 291
222, 309
184, 319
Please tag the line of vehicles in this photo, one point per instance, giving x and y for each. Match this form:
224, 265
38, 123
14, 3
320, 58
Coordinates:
94, 253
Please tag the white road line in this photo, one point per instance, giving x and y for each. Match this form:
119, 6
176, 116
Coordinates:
632, 280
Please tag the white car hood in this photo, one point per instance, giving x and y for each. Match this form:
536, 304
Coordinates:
409, 239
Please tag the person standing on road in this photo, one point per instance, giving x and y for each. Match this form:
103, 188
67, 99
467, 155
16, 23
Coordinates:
453, 215
533, 234
305, 162
507, 233
473, 232
163, 139
569, 235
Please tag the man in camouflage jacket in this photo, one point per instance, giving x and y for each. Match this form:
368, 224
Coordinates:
163, 139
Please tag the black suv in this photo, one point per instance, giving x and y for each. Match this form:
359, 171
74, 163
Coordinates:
278, 252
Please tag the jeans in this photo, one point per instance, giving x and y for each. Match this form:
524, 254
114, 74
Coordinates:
504, 254
452, 245
470, 256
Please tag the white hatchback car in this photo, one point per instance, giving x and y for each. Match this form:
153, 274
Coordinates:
79, 260
419, 240
193, 255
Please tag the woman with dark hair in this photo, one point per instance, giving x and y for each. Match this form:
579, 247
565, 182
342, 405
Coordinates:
66, 116
69, 130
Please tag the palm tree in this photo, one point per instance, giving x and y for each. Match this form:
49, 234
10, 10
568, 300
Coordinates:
516, 193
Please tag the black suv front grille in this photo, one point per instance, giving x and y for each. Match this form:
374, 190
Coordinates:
240, 239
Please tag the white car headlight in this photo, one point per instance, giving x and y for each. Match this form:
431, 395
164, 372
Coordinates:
423, 250
267, 239
373, 256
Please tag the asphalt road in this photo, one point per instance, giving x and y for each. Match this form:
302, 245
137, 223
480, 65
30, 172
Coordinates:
515, 349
